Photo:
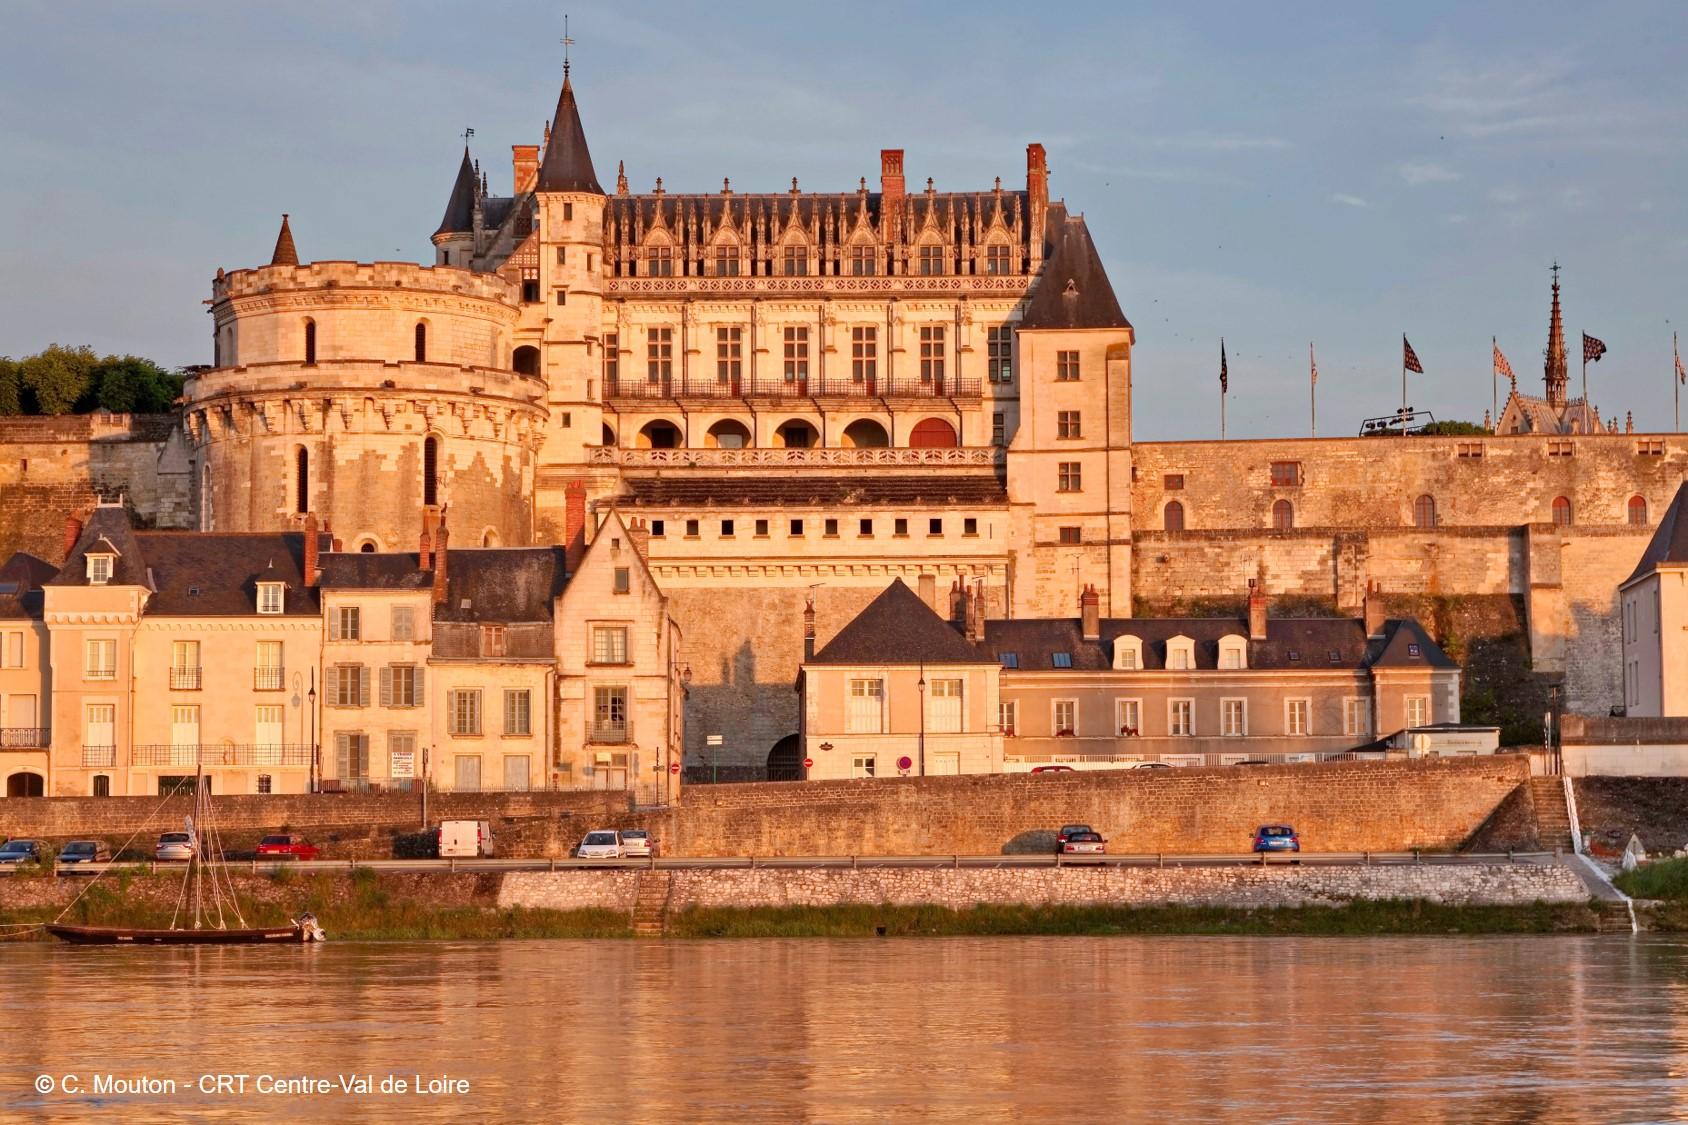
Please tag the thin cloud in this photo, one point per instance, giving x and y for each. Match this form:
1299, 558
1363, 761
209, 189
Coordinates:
1212, 143
1347, 200
1427, 172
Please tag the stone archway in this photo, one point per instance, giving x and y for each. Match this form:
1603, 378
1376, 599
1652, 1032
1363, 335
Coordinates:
25, 785
785, 760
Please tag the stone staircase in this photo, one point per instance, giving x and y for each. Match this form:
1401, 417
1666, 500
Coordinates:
1553, 819
650, 904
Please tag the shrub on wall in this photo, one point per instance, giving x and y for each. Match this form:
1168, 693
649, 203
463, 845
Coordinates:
74, 380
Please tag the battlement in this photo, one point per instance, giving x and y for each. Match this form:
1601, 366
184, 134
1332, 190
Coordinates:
366, 376
385, 276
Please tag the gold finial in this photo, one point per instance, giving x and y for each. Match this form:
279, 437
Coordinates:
567, 43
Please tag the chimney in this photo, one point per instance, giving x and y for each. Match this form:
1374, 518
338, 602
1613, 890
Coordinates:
524, 166
313, 544
1256, 611
639, 534
891, 189
976, 615
1373, 611
1037, 177
430, 523
809, 629
927, 585
958, 603
1090, 613
574, 524
72, 532
440, 539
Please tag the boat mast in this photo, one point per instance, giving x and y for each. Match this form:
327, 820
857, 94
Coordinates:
198, 827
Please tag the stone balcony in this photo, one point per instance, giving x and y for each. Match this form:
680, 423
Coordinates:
776, 388
778, 458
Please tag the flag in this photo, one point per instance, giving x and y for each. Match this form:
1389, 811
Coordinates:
1502, 367
1592, 349
1409, 358
1681, 375
1314, 364
1224, 375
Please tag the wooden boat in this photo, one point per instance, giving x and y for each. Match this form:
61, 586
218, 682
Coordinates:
117, 935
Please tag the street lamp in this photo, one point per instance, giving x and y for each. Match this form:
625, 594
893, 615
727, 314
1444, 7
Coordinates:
316, 750
921, 684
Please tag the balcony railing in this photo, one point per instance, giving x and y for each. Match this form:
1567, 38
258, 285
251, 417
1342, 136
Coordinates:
268, 679
778, 387
777, 457
184, 679
99, 755
603, 731
25, 738
278, 754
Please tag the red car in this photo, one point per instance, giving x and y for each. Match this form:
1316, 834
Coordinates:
286, 846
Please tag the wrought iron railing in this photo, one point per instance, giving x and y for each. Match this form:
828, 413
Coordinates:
99, 755
606, 731
184, 679
709, 386
268, 679
261, 754
25, 738
779, 457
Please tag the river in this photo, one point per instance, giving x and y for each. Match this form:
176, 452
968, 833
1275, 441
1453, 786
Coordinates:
1081, 1029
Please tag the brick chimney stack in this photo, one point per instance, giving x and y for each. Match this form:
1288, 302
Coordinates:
1037, 176
524, 165
809, 629
441, 538
72, 532
313, 544
574, 524
1373, 611
425, 551
976, 615
1256, 611
958, 604
639, 534
1090, 613
891, 190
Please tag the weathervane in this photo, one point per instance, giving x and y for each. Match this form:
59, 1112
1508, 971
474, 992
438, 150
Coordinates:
567, 43
467, 133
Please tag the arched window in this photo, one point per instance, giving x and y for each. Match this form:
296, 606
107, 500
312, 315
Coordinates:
1283, 516
431, 470
302, 480
310, 341
1637, 511
367, 547
1172, 518
1424, 511
421, 342
865, 433
1562, 512
526, 361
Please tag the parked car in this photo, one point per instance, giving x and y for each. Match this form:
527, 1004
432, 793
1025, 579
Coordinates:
1068, 831
85, 851
1151, 766
1052, 769
1276, 838
603, 843
286, 845
174, 847
636, 842
1253, 762
1084, 843
20, 851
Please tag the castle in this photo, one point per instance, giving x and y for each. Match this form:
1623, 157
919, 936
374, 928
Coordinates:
806, 395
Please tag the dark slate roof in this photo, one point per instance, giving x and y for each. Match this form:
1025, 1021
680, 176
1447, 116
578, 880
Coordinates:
873, 489
21, 579
1396, 648
1073, 291
898, 628
460, 208
216, 574
495, 209
1669, 544
499, 584
568, 164
943, 210
286, 254
109, 522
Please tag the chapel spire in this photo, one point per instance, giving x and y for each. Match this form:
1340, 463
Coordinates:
460, 208
286, 254
1557, 372
568, 164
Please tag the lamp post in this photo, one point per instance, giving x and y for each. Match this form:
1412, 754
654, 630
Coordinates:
921, 684
316, 750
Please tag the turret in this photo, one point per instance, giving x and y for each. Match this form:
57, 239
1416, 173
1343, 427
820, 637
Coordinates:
454, 241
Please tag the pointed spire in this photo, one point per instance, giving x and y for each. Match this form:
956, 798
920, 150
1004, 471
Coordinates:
286, 254
568, 163
460, 207
1557, 371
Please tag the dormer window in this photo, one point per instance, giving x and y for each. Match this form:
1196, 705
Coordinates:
1233, 652
99, 569
269, 597
1180, 654
1128, 654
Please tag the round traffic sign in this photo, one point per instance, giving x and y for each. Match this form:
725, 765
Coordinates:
673, 767
905, 762
808, 763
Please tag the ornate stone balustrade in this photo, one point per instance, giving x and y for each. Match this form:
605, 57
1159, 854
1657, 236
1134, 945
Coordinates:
793, 458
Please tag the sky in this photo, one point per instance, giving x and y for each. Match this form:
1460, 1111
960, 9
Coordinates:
1276, 175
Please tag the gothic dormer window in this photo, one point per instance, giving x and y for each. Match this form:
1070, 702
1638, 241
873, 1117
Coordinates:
99, 568
269, 597
864, 259
794, 260
659, 260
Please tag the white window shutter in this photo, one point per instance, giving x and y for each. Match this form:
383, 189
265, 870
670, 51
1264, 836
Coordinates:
386, 685
421, 699
363, 685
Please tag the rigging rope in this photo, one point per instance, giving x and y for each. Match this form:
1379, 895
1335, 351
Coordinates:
125, 847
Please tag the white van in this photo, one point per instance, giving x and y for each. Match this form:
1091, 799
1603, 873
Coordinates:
460, 839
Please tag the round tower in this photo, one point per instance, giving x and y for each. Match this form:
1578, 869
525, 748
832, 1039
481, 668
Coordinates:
454, 241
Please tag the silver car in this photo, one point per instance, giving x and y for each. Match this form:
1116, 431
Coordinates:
603, 843
636, 842
174, 847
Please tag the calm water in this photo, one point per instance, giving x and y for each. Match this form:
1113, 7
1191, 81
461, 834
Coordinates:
1466, 1030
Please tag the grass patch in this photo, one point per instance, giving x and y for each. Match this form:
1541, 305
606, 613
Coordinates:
1358, 917
1661, 879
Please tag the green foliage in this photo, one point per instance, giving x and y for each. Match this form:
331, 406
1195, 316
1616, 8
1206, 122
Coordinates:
1453, 429
132, 385
1661, 879
11, 388
56, 378
65, 380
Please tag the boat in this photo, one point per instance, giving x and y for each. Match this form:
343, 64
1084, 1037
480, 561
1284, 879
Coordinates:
301, 930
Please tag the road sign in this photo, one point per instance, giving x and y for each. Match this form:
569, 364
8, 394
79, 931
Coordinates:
673, 767
808, 763
905, 762
712, 740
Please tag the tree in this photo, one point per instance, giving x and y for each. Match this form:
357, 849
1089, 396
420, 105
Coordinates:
11, 393
57, 377
1453, 429
130, 384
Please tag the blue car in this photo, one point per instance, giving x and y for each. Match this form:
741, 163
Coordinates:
1276, 838
20, 851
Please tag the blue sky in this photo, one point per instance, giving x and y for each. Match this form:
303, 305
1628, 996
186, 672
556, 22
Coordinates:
1276, 174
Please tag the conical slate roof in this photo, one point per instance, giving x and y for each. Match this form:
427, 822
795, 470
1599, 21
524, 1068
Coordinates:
568, 164
898, 628
460, 208
286, 254
1669, 544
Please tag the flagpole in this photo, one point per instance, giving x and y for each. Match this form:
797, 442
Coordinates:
1676, 381
1494, 384
1313, 387
1403, 385
1221, 413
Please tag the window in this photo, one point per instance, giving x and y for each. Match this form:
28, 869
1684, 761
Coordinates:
1561, 447
932, 354
1637, 511
999, 429
969, 526
351, 756
11, 650
864, 354
463, 712
492, 640
612, 360
865, 529
1180, 717
530, 289
1418, 710
796, 353
862, 765
1650, 447
609, 644
269, 597
184, 734
1069, 477
1007, 712
99, 569
944, 710
1173, 482
864, 261
659, 261
1060, 660
1180, 654
1128, 654
1562, 512
568, 216
403, 623
1286, 474
899, 528
692, 529
1233, 653
267, 673
431, 471
1356, 717
659, 355
659, 528
1172, 516
348, 685
999, 353
1066, 367
267, 731
761, 529
266, 784
344, 624
184, 665
932, 260
99, 659
726, 260
729, 355
1298, 717
867, 707
623, 579
99, 725
310, 341
1009, 659
794, 260
1283, 515
518, 712
1067, 424
997, 259
1424, 512
1072, 535
1233, 718
609, 714
562, 296
562, 251
726, 529
401, 686
1471, 450
1064, 718
1128, 717
830, 529
302, 480
795, 529
422, 339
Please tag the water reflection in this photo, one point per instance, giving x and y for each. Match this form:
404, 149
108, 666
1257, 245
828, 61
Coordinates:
1498, 1029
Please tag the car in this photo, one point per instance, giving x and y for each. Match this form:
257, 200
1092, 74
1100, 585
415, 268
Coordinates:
601, 843
1253, 762
1067, 832
1276, 838
1052, 769
286, 845
1151, 766
637, 842
1084, 843
85, 851
174, 847
20, 851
